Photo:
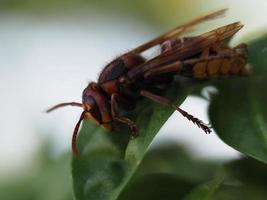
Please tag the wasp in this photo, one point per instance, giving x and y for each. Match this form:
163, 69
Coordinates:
131, 76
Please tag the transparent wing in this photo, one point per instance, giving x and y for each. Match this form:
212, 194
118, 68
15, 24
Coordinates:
178, 31
187, 49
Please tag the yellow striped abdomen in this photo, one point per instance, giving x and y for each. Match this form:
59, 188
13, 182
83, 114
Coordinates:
219, 68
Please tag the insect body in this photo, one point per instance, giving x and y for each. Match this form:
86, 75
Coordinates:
130, 76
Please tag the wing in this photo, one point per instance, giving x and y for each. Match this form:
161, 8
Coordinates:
178, 31
187, 49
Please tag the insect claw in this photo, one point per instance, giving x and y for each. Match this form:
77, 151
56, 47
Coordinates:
134, 135
206, 128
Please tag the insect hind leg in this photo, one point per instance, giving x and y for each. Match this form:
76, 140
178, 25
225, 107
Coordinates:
166, 102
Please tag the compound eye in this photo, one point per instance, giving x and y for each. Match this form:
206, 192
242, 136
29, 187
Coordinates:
87, 98
88, 101
85, 95
92, 108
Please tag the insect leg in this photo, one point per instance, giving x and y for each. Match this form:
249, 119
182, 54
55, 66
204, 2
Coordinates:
166, 102
124, 120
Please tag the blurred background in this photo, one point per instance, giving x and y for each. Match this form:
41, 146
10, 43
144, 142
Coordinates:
50, 50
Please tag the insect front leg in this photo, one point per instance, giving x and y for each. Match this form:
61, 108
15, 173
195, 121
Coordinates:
166, 102
124, 120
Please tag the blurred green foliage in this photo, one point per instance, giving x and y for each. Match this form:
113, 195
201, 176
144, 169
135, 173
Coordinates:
46, 178
156, 12
167, 171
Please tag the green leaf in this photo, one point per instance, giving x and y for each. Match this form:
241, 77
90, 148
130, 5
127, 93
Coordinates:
165, 172
204, 191
172, 158
45, 178
107, 161
216, 190
239, 179
157, 187
238, 112
168, 171
244, 192
247, 171
258, 56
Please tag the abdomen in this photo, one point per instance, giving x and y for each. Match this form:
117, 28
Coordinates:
231, 63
